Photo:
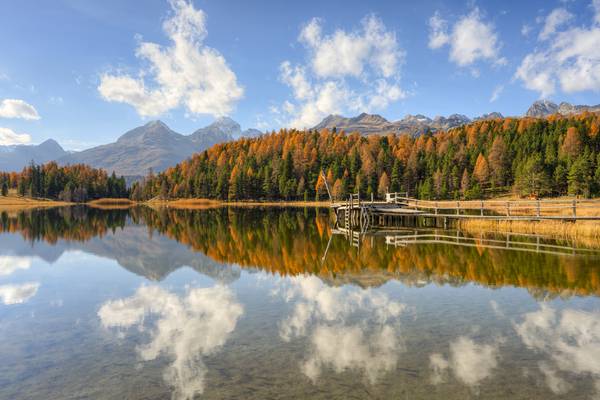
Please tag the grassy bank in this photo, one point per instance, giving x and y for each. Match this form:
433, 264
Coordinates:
584, 232
208, 203
111, 204
12, 202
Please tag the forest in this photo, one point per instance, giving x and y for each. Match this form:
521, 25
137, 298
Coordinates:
77, 183
530, 157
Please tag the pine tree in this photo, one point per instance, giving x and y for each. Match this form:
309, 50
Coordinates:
498, 162
465, 182
579, 177
384, 185
395, 177
481, 172
571, 146
338, 190
531, 178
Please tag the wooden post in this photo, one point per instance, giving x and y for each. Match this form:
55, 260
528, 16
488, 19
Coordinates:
538, 209
508, 208
574, 208
481, 207
436, 208
458, 207
371, 197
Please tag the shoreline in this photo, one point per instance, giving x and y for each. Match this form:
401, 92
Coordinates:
585, 230
209, 203
18, 203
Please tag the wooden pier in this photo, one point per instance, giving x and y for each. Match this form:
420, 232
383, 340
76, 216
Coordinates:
356, 212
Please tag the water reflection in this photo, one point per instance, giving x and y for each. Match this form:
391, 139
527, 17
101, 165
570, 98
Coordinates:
390, 319
153, 243
10, 264
569, 339
470, 362
370, 344
183, 328
18, 293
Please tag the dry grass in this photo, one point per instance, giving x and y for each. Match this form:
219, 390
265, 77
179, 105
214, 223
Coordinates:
584, 232
208, 203
12, 202
111, 204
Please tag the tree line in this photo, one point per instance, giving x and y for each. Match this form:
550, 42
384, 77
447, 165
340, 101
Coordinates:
77, 183
557, 155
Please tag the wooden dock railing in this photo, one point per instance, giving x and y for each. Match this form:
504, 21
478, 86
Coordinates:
567, 208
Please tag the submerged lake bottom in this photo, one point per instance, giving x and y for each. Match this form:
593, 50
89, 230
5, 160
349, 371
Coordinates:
271, 303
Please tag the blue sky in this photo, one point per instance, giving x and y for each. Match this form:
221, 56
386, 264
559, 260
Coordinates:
83, 72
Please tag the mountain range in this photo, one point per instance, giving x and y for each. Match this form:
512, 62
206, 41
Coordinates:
155, 146
151, 146
368, 124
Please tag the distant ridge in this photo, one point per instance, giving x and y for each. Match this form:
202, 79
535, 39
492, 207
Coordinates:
15, 157
369, 124
543, 108
154, 146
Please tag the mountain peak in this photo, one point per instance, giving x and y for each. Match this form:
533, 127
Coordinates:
51, 145
152, 129
541, 108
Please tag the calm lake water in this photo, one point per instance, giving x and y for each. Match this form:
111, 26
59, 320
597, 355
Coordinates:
267, 303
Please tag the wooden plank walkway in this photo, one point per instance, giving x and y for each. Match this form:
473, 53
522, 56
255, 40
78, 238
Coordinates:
512, 210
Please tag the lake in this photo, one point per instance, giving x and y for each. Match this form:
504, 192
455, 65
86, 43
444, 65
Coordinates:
262, 303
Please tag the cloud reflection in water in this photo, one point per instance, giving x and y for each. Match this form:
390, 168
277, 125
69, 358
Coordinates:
325, 314
18, 293
10, 264
570, 339
469, 361
184, 328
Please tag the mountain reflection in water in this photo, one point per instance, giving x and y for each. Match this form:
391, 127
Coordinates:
153, 243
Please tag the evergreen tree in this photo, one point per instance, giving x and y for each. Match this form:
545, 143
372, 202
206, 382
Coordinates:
579, 177
531, 179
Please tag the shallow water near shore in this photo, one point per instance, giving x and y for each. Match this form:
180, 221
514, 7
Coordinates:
274, 303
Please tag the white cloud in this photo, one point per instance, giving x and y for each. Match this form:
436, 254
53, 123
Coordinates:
9, 137
185, 329
496, 93
18, 294
471, 362
526, 30
322, 313
11, 264
438, 31
471, 39
554, 20
347, 71
570, 60
187, 73
15, 108
570, 339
